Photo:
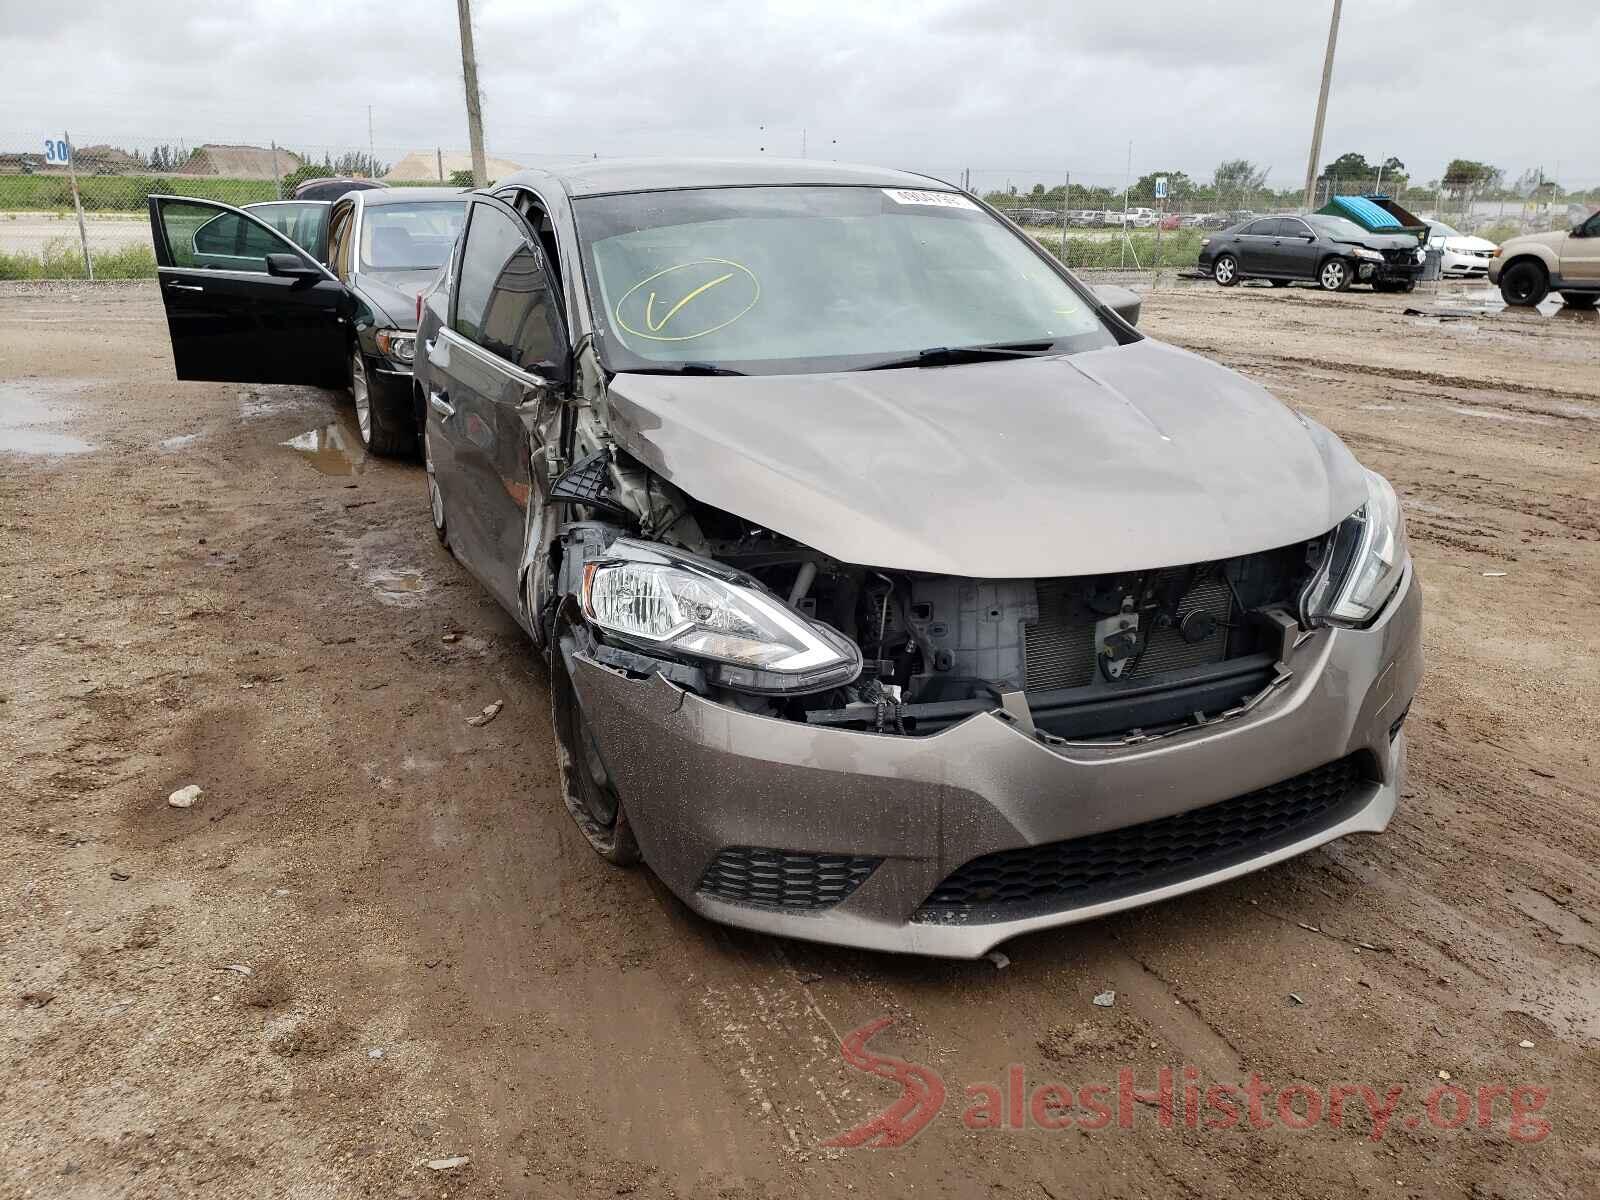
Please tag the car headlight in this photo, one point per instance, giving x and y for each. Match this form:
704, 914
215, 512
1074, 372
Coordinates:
1369, 255
402, 347
742, 635
1422, 255
1362, 564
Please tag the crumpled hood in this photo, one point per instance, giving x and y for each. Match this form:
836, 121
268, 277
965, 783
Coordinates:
1380, 241
394, 294
1129, 458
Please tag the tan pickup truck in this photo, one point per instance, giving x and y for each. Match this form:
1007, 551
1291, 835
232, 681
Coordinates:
1529, 268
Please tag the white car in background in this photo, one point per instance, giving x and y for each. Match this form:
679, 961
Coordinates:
1464, 254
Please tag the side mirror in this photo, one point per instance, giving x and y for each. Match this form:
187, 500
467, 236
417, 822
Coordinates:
1119, 300
291, 266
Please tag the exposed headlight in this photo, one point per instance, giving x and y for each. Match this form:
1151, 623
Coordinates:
1368, 255
1422, 255
744, 636
1363, 563
402, 347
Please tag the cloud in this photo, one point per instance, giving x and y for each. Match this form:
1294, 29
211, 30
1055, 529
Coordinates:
1013, 89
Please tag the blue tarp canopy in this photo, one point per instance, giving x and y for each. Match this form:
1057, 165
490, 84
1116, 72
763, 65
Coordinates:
1363, 212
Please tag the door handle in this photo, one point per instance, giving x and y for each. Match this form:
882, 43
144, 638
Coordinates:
186, 287
440, 403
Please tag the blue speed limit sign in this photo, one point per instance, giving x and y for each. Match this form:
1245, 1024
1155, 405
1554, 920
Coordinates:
56, 152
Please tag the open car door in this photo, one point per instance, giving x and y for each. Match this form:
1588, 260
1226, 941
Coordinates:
244, 303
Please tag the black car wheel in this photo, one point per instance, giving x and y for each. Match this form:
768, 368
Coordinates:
1580, 299
1334, 275
1225, 270
385, 428
586, 785
1524, 284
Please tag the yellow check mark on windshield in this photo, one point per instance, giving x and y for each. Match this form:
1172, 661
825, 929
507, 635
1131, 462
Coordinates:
655, 326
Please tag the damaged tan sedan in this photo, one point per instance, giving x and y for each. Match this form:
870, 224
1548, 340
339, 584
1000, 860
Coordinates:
897, 592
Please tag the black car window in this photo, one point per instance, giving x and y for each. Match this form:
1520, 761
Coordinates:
1591, 227
199, 236
502, 294
1292, 227
1258, 229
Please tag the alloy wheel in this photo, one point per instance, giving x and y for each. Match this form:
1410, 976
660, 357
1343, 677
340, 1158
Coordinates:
363, 396
1333, 275
435, 496
1224, 271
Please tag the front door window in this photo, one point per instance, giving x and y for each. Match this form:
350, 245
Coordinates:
199, 237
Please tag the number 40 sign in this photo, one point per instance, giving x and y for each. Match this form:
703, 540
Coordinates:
57, 152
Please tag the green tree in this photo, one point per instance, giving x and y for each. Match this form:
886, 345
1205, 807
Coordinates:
1465, 175
1236, 178
1179, 187
1350, 168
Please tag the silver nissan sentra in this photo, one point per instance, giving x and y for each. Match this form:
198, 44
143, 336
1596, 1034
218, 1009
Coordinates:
896, 591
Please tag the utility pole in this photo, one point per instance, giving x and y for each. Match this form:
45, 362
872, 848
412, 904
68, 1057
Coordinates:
1322, 107
469, 78
372, 157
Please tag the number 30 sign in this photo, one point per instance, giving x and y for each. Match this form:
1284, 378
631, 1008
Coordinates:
56, 152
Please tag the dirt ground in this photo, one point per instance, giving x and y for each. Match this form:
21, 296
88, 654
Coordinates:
199, 583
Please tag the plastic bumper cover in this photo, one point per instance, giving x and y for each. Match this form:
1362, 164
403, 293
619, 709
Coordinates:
698, 777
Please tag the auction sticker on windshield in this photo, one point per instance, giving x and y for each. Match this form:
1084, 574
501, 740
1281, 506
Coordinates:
936, 199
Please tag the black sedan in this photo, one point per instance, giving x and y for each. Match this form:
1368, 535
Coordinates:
353, 277
1332, 251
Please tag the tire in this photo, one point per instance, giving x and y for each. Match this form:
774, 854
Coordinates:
586, 785
1225, 270
1334, 275
1579, 299
1524, 284
386, 427
441, 525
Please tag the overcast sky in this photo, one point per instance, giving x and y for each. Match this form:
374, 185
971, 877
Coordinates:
1017, 90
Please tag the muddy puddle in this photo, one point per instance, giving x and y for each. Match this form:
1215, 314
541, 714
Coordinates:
31, 414
333, 449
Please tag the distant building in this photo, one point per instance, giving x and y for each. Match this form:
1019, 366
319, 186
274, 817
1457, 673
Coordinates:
435, 167
239, 162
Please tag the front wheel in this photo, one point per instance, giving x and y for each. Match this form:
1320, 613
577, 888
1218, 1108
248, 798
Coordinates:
1579, 299
587, 787
1225, 270
385, 426
1524, 285
1335, 275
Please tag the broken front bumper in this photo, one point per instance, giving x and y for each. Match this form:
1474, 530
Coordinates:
951, 843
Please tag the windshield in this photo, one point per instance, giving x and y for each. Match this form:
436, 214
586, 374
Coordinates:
1443, 230
1340, 228
787, 280
410, 237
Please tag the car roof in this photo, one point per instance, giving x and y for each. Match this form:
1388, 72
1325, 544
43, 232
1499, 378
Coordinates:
404, 195
606, 176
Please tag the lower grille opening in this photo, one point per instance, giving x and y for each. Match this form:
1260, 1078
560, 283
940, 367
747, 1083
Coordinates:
784, 879
1033, 880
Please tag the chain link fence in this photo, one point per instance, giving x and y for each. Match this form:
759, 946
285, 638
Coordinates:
1096, 221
